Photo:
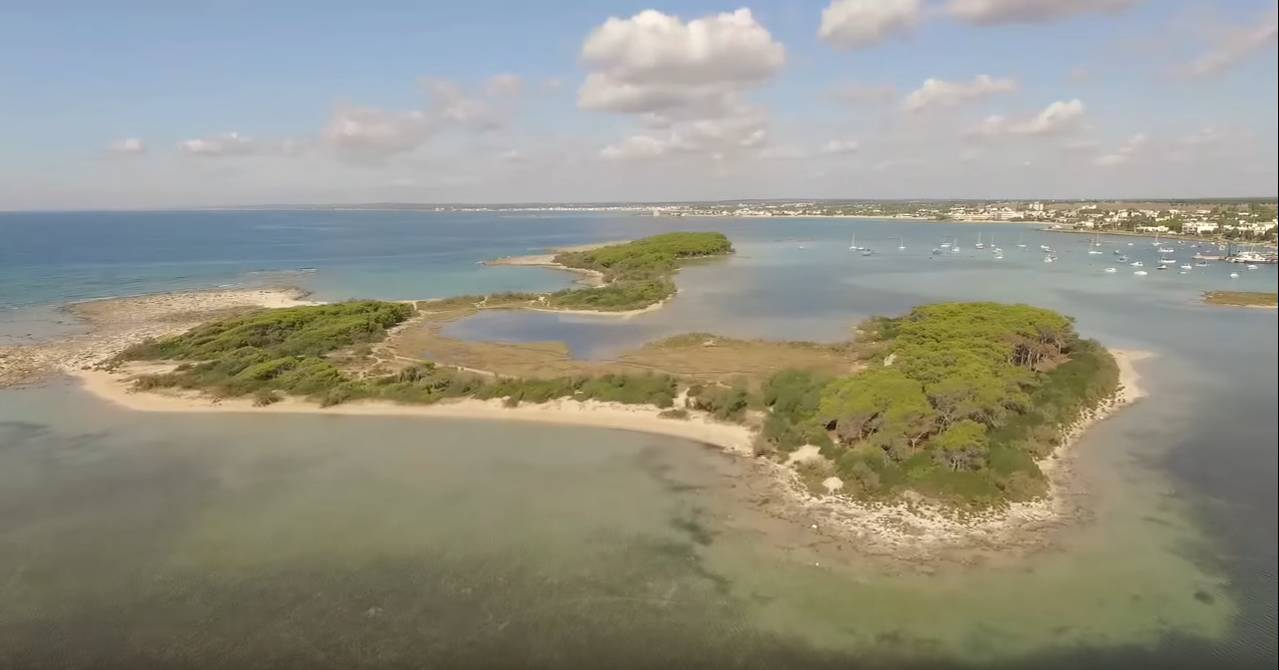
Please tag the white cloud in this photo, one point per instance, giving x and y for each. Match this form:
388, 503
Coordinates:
371, 134
854, 24
512, 156
711, 136
1236, 45
128, 146
784, 152
897, 163
837, 147
1125, 152
1055, 118
636, 147
687, 80
452, 104
940, 93
989, 12
1080, 145
227, 144
504, 85
653, 61
368, 133
1206, 135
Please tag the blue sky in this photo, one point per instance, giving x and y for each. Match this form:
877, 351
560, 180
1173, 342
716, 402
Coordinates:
161, 104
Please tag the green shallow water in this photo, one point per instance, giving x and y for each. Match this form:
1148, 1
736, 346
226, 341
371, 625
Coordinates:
239, 541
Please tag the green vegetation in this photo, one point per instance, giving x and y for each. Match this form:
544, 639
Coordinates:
1242, 298
636, 274
647, 258
620, 296
959, 402
293, 351
726, 403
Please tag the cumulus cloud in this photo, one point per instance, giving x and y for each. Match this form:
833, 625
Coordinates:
1206, 135
784, 152
504, 85
685, 80
940, 93
1081, 145
372, 134
990, 12
653, 61
837, 147
1055, 118
452, 104
1236, 45
855, 24
1125, 152
636, 147
227, 144
713, 136
369, 133
128, 146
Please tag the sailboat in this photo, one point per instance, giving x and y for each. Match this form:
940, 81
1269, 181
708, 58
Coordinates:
980, 244
852, 246
1021, 240
1096, 243
901, 243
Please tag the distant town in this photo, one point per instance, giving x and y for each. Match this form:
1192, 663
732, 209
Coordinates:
1244, 220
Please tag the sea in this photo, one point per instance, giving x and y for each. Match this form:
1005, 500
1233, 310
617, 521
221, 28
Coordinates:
240, 541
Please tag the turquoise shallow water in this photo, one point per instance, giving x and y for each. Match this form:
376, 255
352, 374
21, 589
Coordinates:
241, 540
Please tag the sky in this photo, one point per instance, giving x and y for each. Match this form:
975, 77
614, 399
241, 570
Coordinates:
134, 104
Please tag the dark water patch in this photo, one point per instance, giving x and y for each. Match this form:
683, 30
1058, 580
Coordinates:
696, 529
431, 611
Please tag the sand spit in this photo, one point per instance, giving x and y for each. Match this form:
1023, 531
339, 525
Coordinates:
113, 324
587, 277
735, 438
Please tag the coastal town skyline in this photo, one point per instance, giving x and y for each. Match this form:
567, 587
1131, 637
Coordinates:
938, 99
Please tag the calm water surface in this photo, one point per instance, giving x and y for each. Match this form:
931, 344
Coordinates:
315, 541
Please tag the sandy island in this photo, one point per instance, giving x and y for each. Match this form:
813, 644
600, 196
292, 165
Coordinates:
907, 529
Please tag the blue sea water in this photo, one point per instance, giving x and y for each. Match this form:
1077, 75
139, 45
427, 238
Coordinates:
1208, 427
